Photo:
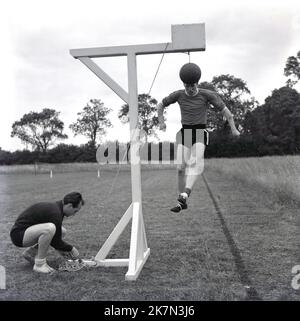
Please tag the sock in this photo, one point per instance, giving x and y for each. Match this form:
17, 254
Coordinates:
188, 191
40, 262
185, 195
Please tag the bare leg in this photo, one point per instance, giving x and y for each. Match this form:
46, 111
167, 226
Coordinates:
181, 180
30, 253
195, 165
43, 235
183, 154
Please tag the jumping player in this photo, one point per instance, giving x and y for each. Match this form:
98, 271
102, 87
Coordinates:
192, 137
40, 226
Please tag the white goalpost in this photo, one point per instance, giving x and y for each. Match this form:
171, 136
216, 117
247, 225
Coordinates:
185, 38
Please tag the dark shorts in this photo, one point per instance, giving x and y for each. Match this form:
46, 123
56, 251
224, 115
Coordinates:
17, 236
189, 135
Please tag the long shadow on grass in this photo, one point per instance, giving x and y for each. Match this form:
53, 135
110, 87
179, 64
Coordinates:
240, 266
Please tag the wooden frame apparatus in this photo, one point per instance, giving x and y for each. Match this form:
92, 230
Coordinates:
185, 38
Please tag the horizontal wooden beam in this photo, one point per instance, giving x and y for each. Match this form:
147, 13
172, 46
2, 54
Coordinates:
113, 262
136, 49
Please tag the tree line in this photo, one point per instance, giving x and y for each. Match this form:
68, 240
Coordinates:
272, 128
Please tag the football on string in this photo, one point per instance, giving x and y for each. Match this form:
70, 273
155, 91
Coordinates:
190, 73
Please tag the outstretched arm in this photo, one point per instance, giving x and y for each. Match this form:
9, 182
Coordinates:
228, 115
217, 102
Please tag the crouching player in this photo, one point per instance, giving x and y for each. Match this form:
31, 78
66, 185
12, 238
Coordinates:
40, 226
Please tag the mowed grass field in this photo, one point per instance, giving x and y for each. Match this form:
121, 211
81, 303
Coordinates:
191, 254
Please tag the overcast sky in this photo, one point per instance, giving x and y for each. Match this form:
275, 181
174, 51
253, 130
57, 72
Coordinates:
248, 39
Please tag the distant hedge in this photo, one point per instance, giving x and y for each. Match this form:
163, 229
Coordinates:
219, 146
62, 153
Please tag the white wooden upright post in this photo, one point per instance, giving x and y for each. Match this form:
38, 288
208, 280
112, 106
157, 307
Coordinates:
139, 250
134, 131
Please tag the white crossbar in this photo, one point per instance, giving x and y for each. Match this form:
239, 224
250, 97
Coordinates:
113, 262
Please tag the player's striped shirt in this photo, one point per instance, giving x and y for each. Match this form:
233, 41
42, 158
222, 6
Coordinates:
194, 108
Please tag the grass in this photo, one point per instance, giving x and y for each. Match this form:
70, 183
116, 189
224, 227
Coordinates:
277, 175
45, 168
190, 257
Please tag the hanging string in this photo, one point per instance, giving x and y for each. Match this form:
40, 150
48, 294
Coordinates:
189, 54
157, 70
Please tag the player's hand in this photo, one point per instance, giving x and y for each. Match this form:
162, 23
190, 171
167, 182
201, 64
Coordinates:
74, 253
162, 126
70, 255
